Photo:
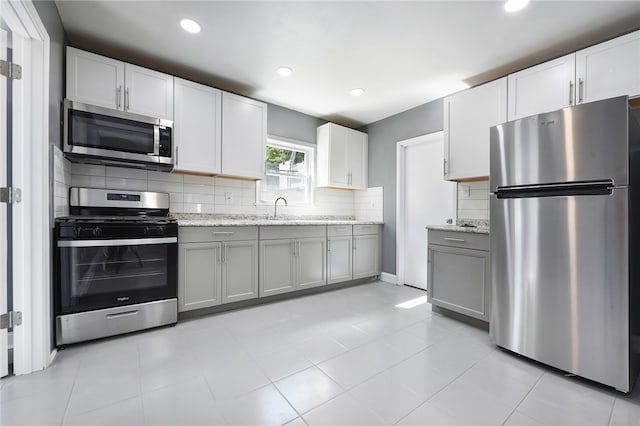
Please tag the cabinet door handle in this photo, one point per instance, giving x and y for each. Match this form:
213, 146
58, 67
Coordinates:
224, 253
328, 245
580, 90
219, 254
177, 148
570, 92
222, 232
444, 167
457, 240
119, 96
126, 99
354, 243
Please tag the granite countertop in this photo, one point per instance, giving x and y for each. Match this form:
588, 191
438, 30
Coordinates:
194, 219
474, 226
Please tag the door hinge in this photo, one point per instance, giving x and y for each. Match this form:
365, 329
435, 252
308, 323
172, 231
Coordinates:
10, 70
10, 195
10, 319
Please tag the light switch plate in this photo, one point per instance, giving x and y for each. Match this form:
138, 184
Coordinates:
466, 190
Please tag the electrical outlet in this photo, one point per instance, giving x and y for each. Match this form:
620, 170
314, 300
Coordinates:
228, 196
466, 190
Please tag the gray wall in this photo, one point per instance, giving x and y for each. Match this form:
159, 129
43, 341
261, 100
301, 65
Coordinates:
51, 19
383, 138
291, 124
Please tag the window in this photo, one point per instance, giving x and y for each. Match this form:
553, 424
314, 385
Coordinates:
289, 171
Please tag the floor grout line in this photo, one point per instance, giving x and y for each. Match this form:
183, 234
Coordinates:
525, 397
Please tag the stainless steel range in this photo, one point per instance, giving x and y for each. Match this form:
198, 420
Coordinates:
116, 264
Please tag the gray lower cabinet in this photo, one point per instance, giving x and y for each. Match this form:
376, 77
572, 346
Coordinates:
277, 267
459, 273
239, 270
339, 253
366, 251
294, 263
339, 259
200, 275
216, 265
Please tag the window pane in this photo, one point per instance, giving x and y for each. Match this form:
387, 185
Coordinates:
293, 188
286, 161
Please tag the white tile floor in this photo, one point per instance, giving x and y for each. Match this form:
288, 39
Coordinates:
345, 357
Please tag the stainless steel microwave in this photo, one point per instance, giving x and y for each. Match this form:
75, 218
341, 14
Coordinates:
99, 135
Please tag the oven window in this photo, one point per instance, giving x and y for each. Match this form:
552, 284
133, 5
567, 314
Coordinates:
104, 132
100, 277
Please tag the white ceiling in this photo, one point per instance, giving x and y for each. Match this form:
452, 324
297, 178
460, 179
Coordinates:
402, 53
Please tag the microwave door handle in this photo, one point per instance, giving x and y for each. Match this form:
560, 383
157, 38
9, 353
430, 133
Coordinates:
156, 141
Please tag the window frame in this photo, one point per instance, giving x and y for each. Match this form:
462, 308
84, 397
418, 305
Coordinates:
310, 151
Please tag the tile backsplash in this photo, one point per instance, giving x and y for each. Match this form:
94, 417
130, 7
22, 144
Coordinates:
369, 204
473, 200
207, 194
61, 183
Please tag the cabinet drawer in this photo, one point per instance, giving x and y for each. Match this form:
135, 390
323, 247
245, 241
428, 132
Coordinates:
197, 234
276, 232
339, 230
366, 229
459, 239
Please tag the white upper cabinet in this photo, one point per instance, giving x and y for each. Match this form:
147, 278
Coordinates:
468, 115
94, 79
609, 69
543, 88
101, 81
148, 92
598, 72
197, 128
244, 136
342, 157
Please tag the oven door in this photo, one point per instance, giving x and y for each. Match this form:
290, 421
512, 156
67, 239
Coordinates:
98, 274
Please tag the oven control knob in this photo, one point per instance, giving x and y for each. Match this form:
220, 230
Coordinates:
96, 232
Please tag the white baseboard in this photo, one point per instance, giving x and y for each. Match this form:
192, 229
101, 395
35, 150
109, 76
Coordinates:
388, 278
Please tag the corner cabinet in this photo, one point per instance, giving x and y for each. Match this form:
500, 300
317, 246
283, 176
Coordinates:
292, 258
197, 128
216, 265
468, 115
101, 81
342, 157
244, 136
459, 274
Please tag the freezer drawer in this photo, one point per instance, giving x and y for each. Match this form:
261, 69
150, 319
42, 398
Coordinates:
560, 282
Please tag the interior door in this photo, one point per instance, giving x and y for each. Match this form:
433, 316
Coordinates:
426, 199
4, 234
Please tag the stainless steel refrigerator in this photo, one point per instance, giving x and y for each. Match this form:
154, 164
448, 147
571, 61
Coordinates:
564, 239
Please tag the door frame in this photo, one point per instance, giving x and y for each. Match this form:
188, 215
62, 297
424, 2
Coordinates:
31, 164
401, 148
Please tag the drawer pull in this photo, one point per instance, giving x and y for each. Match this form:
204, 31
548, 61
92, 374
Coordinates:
457, 240
222, 233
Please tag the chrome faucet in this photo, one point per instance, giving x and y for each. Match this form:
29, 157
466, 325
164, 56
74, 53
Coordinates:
275, 205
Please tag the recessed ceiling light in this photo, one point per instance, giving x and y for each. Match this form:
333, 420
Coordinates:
515, 5
284, 71
190, 26
357, 92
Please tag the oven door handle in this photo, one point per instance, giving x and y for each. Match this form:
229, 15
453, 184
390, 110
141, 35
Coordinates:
118, 242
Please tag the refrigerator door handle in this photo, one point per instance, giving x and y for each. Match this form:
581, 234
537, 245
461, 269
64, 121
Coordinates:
602, 187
